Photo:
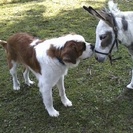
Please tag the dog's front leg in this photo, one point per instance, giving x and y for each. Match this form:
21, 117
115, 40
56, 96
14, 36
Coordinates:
64, 99
130, 86
46, 92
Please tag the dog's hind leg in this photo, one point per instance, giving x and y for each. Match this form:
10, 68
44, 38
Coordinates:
64, 99
13, 72
26, 77
130, 86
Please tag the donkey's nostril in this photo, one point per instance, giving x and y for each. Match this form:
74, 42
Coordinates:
92, 47
100, 59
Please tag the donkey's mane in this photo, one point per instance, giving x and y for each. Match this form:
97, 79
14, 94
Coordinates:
113, 7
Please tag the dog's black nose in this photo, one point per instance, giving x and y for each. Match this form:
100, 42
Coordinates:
92, 47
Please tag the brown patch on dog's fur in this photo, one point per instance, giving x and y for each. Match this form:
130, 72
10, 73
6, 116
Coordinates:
69, 53
19, 50
54, 52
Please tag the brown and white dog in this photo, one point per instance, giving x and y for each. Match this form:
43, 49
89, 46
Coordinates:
49, 61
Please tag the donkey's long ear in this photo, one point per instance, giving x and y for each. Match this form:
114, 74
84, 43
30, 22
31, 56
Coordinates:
103, 15
93, 12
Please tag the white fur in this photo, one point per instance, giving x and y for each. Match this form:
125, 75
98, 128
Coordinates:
52, 71
60, 41
34, 42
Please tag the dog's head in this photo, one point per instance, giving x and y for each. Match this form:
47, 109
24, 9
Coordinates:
74, 49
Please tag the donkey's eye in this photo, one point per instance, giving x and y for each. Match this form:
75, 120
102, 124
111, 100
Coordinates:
102, 37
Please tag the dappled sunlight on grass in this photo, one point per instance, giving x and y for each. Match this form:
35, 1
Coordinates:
53, 8
96, 90
51, 15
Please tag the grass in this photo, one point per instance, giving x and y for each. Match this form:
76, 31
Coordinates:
101, 104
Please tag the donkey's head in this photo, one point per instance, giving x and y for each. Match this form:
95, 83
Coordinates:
106, 31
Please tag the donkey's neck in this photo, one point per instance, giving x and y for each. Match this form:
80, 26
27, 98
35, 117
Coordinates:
125, 28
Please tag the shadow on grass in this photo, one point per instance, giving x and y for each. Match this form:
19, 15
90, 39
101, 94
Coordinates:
31, 22
35, 23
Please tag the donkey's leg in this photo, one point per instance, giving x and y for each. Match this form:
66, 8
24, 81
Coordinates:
13, 72
130, 86
26, 77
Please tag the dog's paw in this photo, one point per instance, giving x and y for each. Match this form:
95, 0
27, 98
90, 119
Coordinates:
53, 113
130, 86
67, 103
29, 82
16, 87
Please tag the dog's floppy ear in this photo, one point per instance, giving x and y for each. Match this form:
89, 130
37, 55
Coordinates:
69, 59
69, 54
103, 15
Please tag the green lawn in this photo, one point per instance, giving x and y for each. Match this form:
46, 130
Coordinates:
101, 102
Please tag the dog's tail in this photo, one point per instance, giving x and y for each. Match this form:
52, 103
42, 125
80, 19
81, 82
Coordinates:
3, 43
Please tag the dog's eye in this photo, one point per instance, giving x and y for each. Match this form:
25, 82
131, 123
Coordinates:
102, 37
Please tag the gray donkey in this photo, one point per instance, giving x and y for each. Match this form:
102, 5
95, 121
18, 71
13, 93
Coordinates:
114, 26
